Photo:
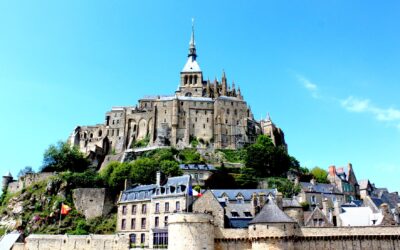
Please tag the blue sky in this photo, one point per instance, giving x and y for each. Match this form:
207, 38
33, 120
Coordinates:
326, 71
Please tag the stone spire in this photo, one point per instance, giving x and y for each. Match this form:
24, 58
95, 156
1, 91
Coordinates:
208, 88
224, 84
192, 44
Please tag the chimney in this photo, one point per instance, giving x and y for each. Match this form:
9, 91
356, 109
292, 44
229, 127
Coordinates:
158, 178
332, 170
313, 181
279, 201
325, 208
127, 184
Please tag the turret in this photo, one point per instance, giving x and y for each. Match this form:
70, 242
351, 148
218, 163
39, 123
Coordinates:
224, 84
7, 179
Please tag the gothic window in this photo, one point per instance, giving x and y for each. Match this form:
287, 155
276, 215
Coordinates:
186, 79
227, 111
100, 133
191, 79
204, 126
195, 79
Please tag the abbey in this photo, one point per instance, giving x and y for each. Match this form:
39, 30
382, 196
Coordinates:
213, 113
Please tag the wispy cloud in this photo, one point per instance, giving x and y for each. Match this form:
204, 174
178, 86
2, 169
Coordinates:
390, 115
310, 86
358, 105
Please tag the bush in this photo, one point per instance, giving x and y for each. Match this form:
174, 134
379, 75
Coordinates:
234, 156
189, 156
285, 186
142, 143
170, 168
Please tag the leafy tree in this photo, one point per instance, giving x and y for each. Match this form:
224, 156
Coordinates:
88, 179
320, 175
246, 178
62, 157
170, 168
285, 186
25, 170
268, 160
221, 180
190, 155
144, 171
120, 174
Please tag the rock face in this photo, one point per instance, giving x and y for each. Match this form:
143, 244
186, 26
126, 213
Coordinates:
92, 202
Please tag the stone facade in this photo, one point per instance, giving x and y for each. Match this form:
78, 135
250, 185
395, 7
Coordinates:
92, 202
75, 242
277, 236
214, 112
24, 181
144, 211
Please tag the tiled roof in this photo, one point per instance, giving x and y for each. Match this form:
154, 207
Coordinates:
196, 167
246, 193
173, 186
271, 213
290, 202
319, 188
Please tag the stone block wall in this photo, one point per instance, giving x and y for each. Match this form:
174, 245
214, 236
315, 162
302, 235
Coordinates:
92, 202
77, 242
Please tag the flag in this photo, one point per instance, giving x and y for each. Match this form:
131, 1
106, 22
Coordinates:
65, 209
197, 194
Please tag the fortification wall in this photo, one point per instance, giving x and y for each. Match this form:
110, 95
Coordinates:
232, 239
77, 242
27, 180
92, 202
190, 231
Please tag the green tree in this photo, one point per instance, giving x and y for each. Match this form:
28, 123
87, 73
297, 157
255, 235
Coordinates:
63, 157
189, 156
246, 178
320, 175
268, 160
144, 171
285, 186
170, 168
120, 174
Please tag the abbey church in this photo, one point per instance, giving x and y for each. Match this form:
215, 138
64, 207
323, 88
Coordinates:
213, 113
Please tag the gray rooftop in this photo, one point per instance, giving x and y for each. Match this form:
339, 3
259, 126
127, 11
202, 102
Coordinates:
246, 193
319, 188
174, 186
196, 167
290, 202
271, 213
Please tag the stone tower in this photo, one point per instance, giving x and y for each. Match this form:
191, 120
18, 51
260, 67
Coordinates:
7, 179
191, 74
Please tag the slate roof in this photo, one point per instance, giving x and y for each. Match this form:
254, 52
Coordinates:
319, 188
246, 193
174, 186
196, 167
239, 223
290, 202
271, 213
239, 208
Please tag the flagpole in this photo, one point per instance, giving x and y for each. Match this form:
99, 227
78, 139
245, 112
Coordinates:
59, 223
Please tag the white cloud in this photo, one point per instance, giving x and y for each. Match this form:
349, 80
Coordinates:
313, 88
357, 105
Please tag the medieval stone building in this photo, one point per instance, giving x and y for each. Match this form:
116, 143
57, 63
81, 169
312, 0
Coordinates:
213, 112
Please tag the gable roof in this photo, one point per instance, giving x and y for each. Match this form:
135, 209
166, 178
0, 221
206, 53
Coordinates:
246, 193
319, 188
271, 213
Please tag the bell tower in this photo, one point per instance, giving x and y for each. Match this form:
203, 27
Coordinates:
191, 74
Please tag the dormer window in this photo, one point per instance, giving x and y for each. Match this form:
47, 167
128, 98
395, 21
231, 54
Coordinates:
234, 214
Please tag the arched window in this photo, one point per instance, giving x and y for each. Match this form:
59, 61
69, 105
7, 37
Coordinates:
190, 79
195, 79
186, 80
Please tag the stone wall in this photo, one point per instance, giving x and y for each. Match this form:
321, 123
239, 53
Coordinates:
76, 242
27, 180
92, 202
278, 236
208, 204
